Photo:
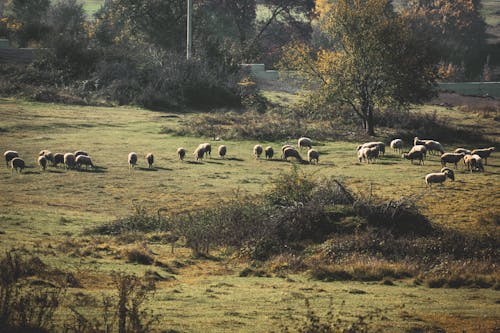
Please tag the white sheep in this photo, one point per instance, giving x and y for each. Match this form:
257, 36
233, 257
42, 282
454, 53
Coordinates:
304, 142
150, 159
199, 152
48, 155
473, 162
181, 152
380, 145
462, 150
484, 153
257, 150
397, 145
369, 154
292, 152
17, 163
451, 158
84, 160
69, 160
132, 160
207, 148
42, 162
313, 155
433, 146
222, 150
414, 155
439, 177
420, 148
417, 141
9, 155
269, 152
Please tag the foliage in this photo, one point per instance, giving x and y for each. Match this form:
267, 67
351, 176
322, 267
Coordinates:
373, 60
26, 21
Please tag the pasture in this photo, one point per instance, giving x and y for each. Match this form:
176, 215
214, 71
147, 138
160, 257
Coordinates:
47, 213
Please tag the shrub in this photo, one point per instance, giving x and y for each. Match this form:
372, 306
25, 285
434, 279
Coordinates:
139, 254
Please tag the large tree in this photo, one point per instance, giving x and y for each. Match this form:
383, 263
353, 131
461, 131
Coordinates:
373, 59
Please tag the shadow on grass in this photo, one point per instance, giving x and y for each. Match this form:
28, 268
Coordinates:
164, 169
93, 170
235, 159
55, 171
213, 162
193, 162
146, 169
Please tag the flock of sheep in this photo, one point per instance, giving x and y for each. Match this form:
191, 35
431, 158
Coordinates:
367, 152
473, 160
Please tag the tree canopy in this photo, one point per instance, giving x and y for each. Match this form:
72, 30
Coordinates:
373, 59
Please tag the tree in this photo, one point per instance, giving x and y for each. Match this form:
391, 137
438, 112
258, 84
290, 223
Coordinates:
29, 17
373, 60
456, 27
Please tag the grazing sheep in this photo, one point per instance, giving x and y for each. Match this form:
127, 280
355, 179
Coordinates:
132, 160
9, 155
414, 155
58, 159
473, 163
17, 163
42, 162
48, 155
80, 152
397, 145
222, 150
292, 152
207, 148
451, 158
420, 148
369, 154
286, 146
269, 152
313, 155
433, 146
439, 177
150, 159
69, 160
199, 153
380, 145
84, 160
181, 152
304, 142
462, 150
484, 153
257, 151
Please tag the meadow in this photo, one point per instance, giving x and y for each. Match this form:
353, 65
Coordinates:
47, 213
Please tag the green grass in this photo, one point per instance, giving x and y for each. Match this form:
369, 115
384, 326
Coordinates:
46, 212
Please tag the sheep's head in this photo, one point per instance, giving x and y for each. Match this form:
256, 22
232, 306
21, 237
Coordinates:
405, 155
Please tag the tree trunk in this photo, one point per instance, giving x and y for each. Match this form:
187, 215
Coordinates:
370, 130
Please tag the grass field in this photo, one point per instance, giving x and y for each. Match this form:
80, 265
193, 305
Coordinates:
46, 212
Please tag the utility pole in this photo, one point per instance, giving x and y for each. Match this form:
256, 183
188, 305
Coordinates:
189, 29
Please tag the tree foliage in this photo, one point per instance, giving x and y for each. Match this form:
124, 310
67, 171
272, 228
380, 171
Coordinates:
373, 59
28, 18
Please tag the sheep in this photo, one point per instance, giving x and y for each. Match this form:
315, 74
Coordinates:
397, 145
432, 146
80, 152
132, 160
17, 163
58, 159
286, 146
379, 144
150, 160
304, 142
181, 152
484, 153
69, 160
451, 158
207, 148
292, 152
414, 155
42, 162
439, 177
48, 155
473, 163
313, 154
222, 150
269, 152
84, 160
368, 154
9, 155
420, 148
417, 141
462, 150
199, 153
257, 150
